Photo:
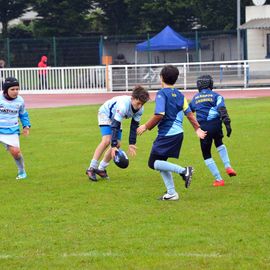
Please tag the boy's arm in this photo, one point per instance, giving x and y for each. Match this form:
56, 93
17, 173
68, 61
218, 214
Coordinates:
132, 137
225, 119
150, 124
200, 133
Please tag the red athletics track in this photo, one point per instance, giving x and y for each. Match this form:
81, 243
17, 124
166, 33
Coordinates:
62, 100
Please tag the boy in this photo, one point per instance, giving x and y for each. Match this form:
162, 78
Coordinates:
110, 116
12, 108
211, 112
170, 106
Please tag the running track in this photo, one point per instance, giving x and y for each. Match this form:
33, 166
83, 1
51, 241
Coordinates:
62, 100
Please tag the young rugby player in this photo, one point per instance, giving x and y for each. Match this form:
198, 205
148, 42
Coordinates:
11, 109
171, 105
110, 116
211, 112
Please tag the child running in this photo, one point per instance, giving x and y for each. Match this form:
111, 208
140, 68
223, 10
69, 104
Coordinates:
170, 107
11, 109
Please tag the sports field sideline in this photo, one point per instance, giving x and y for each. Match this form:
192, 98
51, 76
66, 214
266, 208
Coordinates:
62, 100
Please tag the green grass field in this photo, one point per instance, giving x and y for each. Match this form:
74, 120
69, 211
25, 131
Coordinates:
57, 219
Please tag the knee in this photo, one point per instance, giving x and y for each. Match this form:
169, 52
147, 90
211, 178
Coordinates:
151, 162
106, 141
15, 152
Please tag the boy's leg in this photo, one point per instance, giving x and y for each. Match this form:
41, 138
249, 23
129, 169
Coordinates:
171, 194
223, 153
206, 145
18, 157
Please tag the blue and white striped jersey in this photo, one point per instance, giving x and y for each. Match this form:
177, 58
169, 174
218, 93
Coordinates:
172, 104
10, 113
206, 104
119, 107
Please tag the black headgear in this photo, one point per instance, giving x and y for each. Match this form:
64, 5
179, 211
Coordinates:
205, 82
10, 82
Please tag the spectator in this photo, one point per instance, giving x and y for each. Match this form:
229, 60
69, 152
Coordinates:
43, 72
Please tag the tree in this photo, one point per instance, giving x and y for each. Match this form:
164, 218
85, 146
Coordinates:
11, 9
61, 18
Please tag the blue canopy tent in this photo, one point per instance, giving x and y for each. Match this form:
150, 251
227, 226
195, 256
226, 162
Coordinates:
166, 40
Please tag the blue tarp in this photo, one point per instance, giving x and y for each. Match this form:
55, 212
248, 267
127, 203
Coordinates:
166, 40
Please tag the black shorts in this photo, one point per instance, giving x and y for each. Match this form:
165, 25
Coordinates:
168, 146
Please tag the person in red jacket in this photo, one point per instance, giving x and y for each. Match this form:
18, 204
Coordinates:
42, 73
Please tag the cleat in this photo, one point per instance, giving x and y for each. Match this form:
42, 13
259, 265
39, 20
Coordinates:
231, 172
218, 183
187, 176
21, 175
102, 173
91, 174
169, 197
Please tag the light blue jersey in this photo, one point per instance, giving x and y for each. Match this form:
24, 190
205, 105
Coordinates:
119, 108
10, 113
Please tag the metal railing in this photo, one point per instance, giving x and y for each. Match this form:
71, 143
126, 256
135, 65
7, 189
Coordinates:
98, 79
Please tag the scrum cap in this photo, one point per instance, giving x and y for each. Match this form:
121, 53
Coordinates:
10, 82
205, 82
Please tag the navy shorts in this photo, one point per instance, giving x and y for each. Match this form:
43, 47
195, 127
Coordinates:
168, 146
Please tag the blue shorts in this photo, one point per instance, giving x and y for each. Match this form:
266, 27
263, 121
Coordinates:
168, 146
107, 130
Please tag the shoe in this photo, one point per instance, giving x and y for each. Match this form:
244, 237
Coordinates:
219, 183
91, 174
169, 197
187, 175
231, 172
21, 175
102, 173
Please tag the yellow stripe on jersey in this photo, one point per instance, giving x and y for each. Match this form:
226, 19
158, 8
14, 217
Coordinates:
185, 106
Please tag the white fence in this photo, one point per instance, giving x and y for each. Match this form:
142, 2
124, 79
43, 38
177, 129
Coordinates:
98, 79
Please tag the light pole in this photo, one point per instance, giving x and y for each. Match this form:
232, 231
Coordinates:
238, 31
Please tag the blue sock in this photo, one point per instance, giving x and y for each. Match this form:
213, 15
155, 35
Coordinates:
168, 181
222, 150
161, 165
20, 164
210, 163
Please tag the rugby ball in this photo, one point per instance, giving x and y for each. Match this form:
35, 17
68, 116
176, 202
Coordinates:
121, 159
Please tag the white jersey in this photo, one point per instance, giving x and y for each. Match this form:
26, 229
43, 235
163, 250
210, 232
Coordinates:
119, 108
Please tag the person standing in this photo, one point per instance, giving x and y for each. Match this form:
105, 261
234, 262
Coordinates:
43, 72
211, 112
12, 108
171, 105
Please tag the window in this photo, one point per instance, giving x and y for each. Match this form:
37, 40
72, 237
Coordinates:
268, 46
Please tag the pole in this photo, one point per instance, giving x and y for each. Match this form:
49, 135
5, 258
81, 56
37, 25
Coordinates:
238, 31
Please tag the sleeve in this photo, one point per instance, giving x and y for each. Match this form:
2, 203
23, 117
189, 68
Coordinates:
24, 117
132, 133
160, 103
186, 108
115, 126
191, 105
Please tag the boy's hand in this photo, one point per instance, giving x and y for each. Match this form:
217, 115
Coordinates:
201, 133
228, 129
26, 131
141, 129
132, 150
113, 151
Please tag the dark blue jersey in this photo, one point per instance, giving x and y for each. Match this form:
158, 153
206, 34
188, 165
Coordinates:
206, 104
172, 104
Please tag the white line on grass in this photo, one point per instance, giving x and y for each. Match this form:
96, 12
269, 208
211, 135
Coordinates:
112, 254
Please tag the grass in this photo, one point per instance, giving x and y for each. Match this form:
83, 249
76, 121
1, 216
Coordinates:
57, 219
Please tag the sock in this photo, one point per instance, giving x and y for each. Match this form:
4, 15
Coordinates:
103, 165
20, 164
210, 163
93, 164
161, 165
168, 181
222, 150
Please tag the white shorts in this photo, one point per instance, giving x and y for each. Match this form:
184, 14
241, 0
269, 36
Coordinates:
10, 139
